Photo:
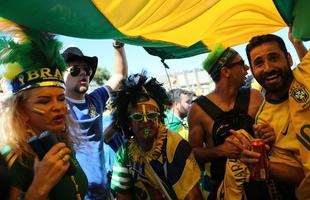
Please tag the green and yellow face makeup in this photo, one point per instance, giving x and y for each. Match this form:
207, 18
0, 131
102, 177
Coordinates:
146, 112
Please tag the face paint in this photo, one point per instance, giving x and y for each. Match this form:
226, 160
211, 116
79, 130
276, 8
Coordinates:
144, 113
38, 111
144, 121
146, 130
146, 133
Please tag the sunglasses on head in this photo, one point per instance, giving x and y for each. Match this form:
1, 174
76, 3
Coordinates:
139, 116
75, 70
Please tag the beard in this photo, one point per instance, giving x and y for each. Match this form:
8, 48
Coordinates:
81, 89
279, 86
183, 112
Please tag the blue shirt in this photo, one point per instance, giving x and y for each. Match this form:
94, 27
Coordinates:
88, 114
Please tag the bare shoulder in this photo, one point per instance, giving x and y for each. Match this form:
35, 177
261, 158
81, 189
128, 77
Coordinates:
199, 126
256, 99
195, 106
197, 111
256, 96
197, 117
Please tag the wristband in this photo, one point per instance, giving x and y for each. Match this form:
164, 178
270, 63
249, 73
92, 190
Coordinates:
117, 45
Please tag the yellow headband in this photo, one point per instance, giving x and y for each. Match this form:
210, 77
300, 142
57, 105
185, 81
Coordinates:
151, 102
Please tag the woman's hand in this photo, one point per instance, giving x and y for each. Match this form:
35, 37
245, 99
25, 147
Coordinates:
49, 171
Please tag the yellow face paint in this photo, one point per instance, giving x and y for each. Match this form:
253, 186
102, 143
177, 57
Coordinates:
146, 130
151, 102
38, 111
144, 113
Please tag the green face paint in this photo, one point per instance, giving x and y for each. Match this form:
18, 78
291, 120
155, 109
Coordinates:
146, 133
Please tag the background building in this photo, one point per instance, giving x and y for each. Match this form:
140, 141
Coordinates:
196, 80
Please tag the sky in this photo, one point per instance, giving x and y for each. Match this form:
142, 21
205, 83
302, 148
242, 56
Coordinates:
139, 59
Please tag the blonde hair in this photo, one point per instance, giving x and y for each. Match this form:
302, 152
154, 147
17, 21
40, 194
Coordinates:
14, 131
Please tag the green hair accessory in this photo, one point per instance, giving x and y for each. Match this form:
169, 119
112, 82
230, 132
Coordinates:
31, 58
217, 59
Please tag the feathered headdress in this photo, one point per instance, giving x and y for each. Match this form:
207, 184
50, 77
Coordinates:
219, 57
137, 88
31, 58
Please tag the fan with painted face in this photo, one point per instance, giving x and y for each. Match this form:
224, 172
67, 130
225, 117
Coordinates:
151, 151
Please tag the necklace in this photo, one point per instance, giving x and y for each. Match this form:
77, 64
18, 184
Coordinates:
76, 188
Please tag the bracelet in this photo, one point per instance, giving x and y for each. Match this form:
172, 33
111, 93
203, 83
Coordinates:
118, 45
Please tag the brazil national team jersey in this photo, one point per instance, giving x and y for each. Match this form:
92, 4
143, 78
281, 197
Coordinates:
290, 119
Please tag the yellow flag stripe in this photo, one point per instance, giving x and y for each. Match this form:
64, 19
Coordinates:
188, 22
12, 160
9, 156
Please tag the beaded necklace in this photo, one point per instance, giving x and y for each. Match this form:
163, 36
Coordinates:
76, 188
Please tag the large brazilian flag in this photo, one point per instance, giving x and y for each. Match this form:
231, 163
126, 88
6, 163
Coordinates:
166, 28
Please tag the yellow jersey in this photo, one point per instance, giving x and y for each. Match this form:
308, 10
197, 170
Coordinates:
290, 119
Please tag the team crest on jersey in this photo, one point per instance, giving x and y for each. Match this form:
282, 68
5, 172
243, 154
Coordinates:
300, 94
92, 111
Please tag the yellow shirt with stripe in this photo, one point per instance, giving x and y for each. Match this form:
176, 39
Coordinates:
290, 119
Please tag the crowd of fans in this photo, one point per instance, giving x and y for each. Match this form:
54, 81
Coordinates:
156, 144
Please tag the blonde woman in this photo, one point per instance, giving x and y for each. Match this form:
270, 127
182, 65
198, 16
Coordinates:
36, 103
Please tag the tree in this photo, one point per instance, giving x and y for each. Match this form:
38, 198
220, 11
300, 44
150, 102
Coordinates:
102, 74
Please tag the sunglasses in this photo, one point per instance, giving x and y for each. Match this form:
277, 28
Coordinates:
139, 116
241, 62
75, 70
